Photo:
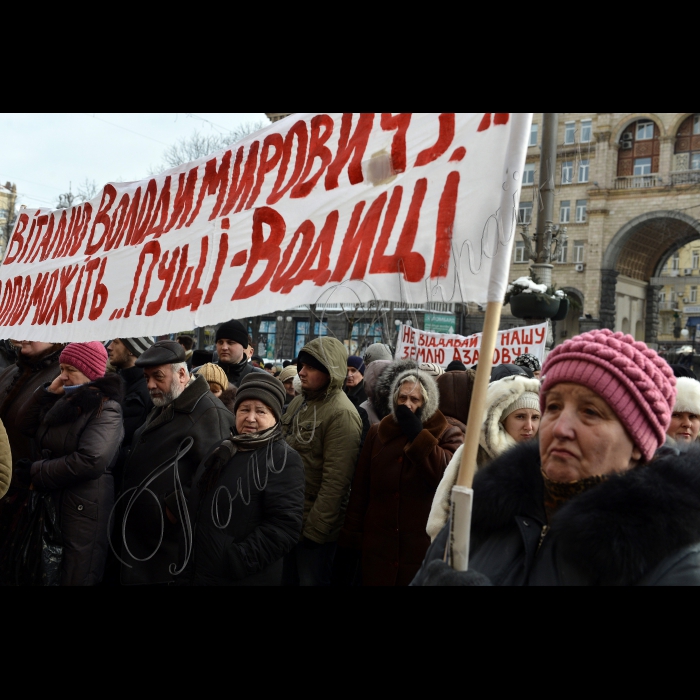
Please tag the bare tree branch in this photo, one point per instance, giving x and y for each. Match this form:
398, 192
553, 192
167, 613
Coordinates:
199, 145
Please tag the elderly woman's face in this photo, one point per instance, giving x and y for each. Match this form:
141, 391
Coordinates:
254, 417
580, 436
410, 395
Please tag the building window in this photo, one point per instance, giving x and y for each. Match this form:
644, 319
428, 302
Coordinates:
693, 295
581, 211
266, 340
578, 251
534, 133
525, 212
586, 131
695, 161
696, 259
302, 332
365, 334
584, 168
520, 252
567, 172
529, 174
676, 261
569, 133
565, 212
662, 297
696, 124
563, 253
645, 131
642, 166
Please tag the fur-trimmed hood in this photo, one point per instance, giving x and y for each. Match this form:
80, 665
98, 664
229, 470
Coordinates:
382, 397
86, 399
433, 393
500, 395
614, 534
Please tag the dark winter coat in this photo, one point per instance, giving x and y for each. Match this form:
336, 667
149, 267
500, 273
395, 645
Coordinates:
17, 384
356, 394
137, 405
637, 528
325, 429
391, 496
235, 373
137, 401
455, 396
264, 524
78, 436
196, 414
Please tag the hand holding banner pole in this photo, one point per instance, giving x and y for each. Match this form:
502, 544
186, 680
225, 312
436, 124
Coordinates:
457, 552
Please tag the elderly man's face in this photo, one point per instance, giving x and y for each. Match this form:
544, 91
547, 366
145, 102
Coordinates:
164, 384
580, 436
354, 376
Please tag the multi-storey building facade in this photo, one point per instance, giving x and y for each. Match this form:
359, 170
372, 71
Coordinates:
628, 193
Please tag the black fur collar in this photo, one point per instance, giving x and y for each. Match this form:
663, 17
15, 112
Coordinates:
86, 399
614, 534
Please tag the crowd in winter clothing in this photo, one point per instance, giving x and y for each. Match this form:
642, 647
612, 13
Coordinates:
169, 466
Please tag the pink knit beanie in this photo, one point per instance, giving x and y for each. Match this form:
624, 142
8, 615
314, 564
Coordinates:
634, 381
89, 358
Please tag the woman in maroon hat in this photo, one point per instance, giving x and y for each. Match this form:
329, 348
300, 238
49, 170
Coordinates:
596, 502
76, 424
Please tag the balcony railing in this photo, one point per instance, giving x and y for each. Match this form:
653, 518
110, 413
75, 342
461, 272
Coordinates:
685, 177
637, 182
668, 306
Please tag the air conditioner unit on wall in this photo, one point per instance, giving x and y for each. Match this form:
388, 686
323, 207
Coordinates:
580, 267
626, 145
627, 136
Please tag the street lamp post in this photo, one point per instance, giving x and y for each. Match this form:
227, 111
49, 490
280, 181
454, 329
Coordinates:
545, 245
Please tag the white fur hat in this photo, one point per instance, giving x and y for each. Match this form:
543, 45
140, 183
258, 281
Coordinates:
688, 399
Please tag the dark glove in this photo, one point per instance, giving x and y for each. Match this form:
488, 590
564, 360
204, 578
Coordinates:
21, 472
437, 573
306, 543
409, 422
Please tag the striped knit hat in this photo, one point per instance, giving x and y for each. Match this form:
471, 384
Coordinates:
137, 346
632, 379
432, 369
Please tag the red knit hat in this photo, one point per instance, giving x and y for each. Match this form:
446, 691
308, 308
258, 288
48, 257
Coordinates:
89, 358
634, 381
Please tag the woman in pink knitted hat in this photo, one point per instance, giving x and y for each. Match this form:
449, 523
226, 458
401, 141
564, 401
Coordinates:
76, 424
596, 502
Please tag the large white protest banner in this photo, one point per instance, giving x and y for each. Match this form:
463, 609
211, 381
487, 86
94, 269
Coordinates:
443, 348
317, 208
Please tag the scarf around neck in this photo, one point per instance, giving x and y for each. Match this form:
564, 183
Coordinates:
557, 494
236, 442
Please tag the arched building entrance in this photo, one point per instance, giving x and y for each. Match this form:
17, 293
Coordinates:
635, 258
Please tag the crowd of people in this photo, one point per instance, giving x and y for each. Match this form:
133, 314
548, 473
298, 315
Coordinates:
171, 466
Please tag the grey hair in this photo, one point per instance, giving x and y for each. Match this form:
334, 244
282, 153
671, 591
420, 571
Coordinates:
177, 366
415, 380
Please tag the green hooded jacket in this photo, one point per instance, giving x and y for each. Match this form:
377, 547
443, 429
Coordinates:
325, 429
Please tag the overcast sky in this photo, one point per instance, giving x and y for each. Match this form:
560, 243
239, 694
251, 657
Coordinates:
43, 153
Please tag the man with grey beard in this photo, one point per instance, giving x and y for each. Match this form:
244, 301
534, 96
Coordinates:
161, 461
